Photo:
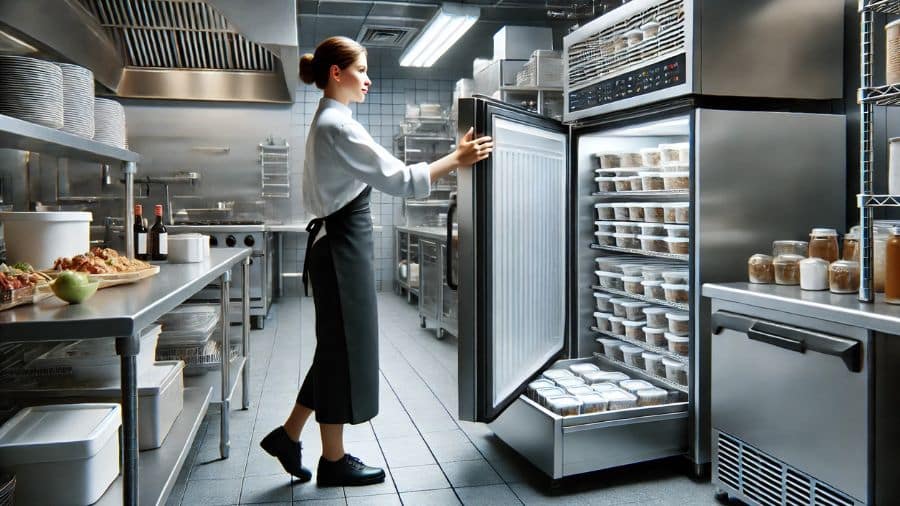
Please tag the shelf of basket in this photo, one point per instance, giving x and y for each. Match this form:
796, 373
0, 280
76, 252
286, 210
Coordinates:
665, 381
882, 6
878, 200
888, 95
643, 344
616, 249
643, 298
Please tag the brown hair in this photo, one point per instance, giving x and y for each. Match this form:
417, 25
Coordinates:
340, 51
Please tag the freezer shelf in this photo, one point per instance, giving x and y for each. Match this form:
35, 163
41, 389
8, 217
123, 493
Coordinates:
565, 446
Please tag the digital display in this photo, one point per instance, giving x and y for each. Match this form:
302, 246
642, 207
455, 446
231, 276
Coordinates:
661, 75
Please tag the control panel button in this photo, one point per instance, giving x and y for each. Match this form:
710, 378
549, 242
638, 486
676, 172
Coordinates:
249, 241
213, 241
230, 241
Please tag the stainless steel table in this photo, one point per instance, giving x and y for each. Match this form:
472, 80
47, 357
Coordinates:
121, 312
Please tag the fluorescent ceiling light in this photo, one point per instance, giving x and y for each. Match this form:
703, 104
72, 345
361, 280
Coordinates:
450, 23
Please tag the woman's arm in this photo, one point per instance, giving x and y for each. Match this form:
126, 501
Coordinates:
468, 152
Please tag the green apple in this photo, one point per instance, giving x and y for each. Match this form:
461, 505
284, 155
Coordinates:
74, 287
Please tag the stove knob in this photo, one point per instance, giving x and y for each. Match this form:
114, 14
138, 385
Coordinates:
213, 241
249, 241
230, 241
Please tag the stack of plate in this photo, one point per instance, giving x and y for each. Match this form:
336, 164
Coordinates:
78, 100
109, 122
31, 90
7, 489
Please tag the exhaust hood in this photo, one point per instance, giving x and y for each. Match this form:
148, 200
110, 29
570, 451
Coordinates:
219, 50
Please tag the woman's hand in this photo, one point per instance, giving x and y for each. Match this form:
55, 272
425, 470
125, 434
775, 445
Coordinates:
471, 150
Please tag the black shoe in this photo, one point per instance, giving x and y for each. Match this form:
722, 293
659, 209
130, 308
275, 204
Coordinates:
347, 472
279, 445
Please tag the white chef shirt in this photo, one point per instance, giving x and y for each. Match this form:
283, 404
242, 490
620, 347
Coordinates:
342, 158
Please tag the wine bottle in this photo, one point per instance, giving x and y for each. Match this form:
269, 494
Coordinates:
140, 234
159, 238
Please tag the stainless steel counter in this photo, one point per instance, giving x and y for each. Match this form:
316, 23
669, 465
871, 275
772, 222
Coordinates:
430, 232
845, 309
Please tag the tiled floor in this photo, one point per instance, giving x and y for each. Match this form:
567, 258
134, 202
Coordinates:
431, 458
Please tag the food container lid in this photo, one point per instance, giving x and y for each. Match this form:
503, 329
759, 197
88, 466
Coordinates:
618, 170
604, 386
632, 279
649, 355
761, 257
600, 233
46, 216
601, 295
678, 316
616, 319
634, 303
634, 33
849, 265
564, 401
622, 204
676, 239
652, 393
631, 349
677, 204
622, 223
618, 395
601, 315
679, 173
615, 376
790, 243
583, 367
592, 399
579, 390
655, 310
670, 362
620, 300
608, 274
635, 384
652, 204
827, 232
676, 227
629, 323
677, 273
677, 339
813, 261
667, 286
541, 383
651, 237
891, 25
655, 282
557, 373
649, 150
607, 341
647, 26
603, 204
652, 330
620, 178
788, 259
648, 225
58, 432
550, 391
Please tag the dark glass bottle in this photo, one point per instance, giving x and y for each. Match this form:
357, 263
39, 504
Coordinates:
140, 234
159, 238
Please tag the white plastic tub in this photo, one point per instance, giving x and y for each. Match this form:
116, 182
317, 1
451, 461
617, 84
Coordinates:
39, 238
601, 320
62, 454
678, 344
605, 211
675, 371
654, 243
677, 230
602, 302
188, 248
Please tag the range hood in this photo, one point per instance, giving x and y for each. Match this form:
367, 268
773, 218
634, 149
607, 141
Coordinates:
219, 50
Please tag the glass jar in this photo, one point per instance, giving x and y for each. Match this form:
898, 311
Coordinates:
823, 244
892, 274
850, 250
790, 248
760, 269
813, 274
843, 276
787, 269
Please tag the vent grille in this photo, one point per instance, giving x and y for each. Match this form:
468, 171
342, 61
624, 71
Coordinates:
384, 36
177, 34
768, 481
596, 58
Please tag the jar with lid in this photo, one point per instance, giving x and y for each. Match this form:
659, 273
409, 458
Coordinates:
892, 274
823, 244
760, 269
843, 276
850, 249
880, 236
790, 248
814, 274
787, 269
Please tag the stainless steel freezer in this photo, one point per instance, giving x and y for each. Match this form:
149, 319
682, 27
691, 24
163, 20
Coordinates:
526, 260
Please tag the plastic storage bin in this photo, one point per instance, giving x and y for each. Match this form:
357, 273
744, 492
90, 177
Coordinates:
602, 302
619, 306
605, 238
75, 446
653, 364
651, 396
604, 211
676, 277
656, 316
655, 336
651, 157
610, 280
654, 213
678, 245
676, 293
679, 323
632, 355
188, 248
676, 371
555, 374
634, 310
634, 329
39, 238
617, 325
612, 348
633, 285
676, 180
678, 344
654, 290
626, 227
189, 324
629, 241
677, 230
654, 243
605, 184
580, 369
601, 320
619, 399
620, 210
633, 385
652, 181
592, 403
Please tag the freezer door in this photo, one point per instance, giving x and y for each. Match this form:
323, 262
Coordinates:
513, 240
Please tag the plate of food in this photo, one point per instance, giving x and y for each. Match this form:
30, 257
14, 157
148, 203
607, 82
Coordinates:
21, 284
106, 266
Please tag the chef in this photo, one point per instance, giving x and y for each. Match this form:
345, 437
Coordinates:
343, 163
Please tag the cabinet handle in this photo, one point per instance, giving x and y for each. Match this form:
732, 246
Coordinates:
791, 338
451, 212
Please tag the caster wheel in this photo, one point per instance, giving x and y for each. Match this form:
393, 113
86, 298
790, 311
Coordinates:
257, 322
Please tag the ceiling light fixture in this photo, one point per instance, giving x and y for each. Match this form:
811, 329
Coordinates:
446, 27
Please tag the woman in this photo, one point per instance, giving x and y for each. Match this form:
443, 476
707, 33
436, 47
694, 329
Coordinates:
342, 164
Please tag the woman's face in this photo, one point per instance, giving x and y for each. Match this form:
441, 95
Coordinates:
354, 81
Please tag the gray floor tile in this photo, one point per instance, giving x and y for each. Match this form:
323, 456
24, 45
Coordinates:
306, 491
376, 500
470, 473
323, 502
264, 489
212, 492
260, 463
386, 487
464, 451
488, 495
444, 497
410, 479
406, 451
232, 467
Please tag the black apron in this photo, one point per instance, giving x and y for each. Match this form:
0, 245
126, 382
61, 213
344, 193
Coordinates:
342, 384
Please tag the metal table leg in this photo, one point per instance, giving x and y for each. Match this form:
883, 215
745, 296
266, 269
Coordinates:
280, 277
245, 330
225, 322
128, 348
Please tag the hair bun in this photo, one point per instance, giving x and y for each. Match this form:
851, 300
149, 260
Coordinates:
307, 69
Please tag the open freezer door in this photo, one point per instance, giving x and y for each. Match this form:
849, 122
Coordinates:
512, 216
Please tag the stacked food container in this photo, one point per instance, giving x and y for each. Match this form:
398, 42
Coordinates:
191, 333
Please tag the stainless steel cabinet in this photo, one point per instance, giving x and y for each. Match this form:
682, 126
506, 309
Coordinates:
431, 286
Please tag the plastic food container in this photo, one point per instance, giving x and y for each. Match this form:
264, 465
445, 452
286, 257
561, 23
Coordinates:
633, 285
189, 324
72, 444
676, 293
637, 183
787, 269
650, 157
609, 264
610, 280
544, 394
536, 385
602, 321
605, 211
654, 272
634, 310
676, 277
619, 306
654, 213
679, 245
651, 228
634, 329
632, 356
790, 248
634, 37
636, 212
605, 184
626, 227
627, 241
569, 381
632, 270
630, 159
651, 396
579, 390
650, 30
671, 211
654, 289
615, 376
652, 181
760, 269
653, 364
655, 243
612, 348
605, 238
564, 406
620, 210
679, 322
39, 238
814, 274
555, 374
578, 369
843, 276
622, 184
605, 226
617, 325
602, 301
592, 403
676, 180
633, 385
656, 316
619, 399
677, 230
608, 160
678, 152
678, 344
188, 248
683, 213
655, 336
676, 371
604, 387
823, 244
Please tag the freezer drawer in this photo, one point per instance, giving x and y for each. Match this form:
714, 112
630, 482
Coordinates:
564, 446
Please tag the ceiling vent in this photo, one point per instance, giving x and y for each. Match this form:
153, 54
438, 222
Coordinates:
385, 36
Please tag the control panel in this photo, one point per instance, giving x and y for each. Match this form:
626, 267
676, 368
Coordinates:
658, 76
